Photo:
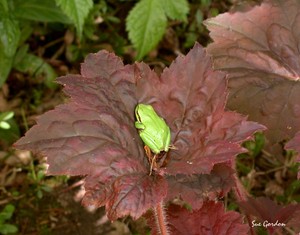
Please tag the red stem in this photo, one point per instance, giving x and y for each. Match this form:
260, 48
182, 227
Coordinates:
161, 220
241, 194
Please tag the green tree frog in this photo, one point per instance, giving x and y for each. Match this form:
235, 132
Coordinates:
153, 130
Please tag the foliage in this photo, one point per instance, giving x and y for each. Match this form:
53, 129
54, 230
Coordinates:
9, 38
37, 177
4, 117
261, 57
147, 22
93, 134
77, 10
210, 219
100, 128
267, 212
9, 130
294, 144
41, 11
12, 16
33, 65
6, 214
195, 30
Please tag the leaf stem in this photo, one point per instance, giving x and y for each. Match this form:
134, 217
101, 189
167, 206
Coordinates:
161, 219
241, 195
24, 119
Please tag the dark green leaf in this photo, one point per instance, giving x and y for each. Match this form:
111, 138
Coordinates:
9, 136
8, 228
9, 39
176, 10
5, 66
146, 24
77, 10
36, 66
44, 11
7, 212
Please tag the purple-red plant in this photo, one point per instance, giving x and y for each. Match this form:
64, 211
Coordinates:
94, 135
259, 49
270, 215
210, 219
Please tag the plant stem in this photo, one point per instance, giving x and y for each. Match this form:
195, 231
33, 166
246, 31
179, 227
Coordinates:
161, 220
24, 119
241, 195
239, 190
32, 169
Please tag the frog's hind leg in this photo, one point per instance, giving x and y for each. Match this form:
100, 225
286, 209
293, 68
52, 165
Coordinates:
151, 158
153, 163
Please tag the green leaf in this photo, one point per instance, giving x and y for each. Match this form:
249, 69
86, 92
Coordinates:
146, 24
4, 125
4, 5
9, 39
46, 188
44, 11
205, 3
176, 10
77, 10
20, 54
9, 35
39, 194
7, 212
40, 175
6, 115
9, 136
8, 229
36, 66
5, 67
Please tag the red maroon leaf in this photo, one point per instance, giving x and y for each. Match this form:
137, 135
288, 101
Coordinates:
259, 48
191, 97
294, 221
137, 188
268, 211
94, 133
101, 64
295, 145
194, 189
211, 219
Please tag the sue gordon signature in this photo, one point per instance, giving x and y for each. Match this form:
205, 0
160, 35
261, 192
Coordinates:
267, 224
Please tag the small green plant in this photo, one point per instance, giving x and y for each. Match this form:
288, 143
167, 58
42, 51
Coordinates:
37, 176
147, 22
4, 117
9, 130
16, 20
5, 215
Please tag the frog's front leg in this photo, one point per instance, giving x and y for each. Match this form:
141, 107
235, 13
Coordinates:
139, 125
